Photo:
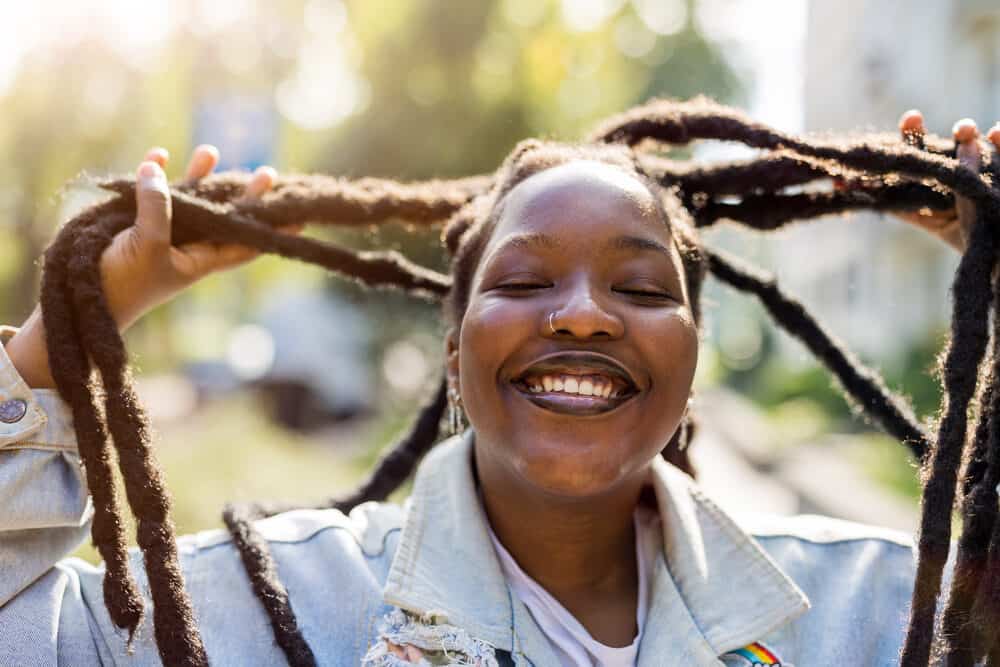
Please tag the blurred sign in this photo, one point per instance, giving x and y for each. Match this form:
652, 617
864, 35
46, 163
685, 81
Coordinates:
243, 127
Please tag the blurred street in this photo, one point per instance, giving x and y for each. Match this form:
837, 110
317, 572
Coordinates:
734, 455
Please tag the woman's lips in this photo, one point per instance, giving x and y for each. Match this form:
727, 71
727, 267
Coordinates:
576, 382
581, 364
571, 404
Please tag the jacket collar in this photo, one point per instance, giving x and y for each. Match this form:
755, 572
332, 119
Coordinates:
734, 592
714, 586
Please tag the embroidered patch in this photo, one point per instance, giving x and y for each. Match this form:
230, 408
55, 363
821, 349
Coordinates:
439, 644
754, 655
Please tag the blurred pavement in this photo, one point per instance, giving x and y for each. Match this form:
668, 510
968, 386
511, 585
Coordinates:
739, 466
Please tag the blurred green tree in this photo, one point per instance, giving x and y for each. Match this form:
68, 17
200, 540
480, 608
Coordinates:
454, 85
405, 89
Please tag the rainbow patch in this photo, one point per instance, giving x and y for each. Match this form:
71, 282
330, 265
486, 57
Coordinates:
756, 655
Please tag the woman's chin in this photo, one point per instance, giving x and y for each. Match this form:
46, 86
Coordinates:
569, 474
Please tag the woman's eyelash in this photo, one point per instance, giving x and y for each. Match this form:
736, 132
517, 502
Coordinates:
645, 293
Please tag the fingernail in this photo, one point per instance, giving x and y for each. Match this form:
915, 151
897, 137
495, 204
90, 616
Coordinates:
994, 135
266, 169
159, 155
965, 130
208, 149
151, 177
911, 121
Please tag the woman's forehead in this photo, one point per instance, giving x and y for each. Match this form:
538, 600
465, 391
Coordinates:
581, 198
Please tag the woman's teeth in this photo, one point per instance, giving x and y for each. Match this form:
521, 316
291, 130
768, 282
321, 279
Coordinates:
569, 384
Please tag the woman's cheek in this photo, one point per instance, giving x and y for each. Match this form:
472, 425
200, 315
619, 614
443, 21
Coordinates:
492, 330
501, 314
670, 344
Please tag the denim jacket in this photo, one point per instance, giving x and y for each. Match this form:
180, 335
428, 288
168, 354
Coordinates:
805, 591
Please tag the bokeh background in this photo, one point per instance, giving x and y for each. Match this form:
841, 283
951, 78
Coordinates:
275, 381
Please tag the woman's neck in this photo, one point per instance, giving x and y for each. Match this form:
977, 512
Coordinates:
582, 551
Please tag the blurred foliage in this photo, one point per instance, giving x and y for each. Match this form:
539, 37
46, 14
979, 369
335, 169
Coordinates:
772, 383
452, 90
365, 87
917, 375
884, 461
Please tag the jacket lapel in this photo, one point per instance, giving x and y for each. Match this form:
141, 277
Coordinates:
714, 588
726, 585
445, 565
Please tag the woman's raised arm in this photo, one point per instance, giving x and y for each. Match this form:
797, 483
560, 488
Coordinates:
141, 269
47, 511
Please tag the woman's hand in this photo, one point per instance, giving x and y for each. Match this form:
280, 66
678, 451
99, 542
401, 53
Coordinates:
141, 269
407, 653
951, 226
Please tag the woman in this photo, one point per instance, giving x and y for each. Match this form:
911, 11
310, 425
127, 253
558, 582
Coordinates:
551, 532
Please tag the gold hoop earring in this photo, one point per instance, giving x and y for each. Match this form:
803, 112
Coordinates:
685, 436
682, 440
456, 416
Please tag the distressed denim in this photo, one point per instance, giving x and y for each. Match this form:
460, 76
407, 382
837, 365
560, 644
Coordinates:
806, 591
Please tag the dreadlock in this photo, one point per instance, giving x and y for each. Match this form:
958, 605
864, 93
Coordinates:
786, 182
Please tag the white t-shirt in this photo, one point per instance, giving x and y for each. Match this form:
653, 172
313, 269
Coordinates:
570, 640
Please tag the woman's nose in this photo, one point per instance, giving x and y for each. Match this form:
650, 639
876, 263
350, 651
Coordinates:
582, 316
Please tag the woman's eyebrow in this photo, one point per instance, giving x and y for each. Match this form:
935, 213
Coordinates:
636, 243
525, 240
537, 239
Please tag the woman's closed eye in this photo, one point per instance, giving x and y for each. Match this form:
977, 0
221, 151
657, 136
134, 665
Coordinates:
650, 294
521, 284
646, 293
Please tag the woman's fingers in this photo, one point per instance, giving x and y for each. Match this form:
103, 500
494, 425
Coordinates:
952, 226
152, 199
911, 126
204, 257
194, 260
228, 255
912, 130
215, 256
159, 155
152, 193
208, 256
969, 154
203, 160
261, 182
411, 654
994, 135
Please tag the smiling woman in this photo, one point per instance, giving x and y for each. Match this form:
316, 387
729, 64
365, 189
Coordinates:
557, 295
564, 526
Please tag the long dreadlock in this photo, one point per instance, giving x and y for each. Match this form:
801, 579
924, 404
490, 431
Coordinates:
873, 172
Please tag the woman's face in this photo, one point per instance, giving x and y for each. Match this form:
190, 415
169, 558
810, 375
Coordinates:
578, 348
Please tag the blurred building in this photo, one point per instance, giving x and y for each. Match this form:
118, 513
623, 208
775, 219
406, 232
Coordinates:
878, 283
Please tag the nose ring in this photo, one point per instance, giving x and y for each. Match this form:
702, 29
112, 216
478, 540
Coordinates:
552, 326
